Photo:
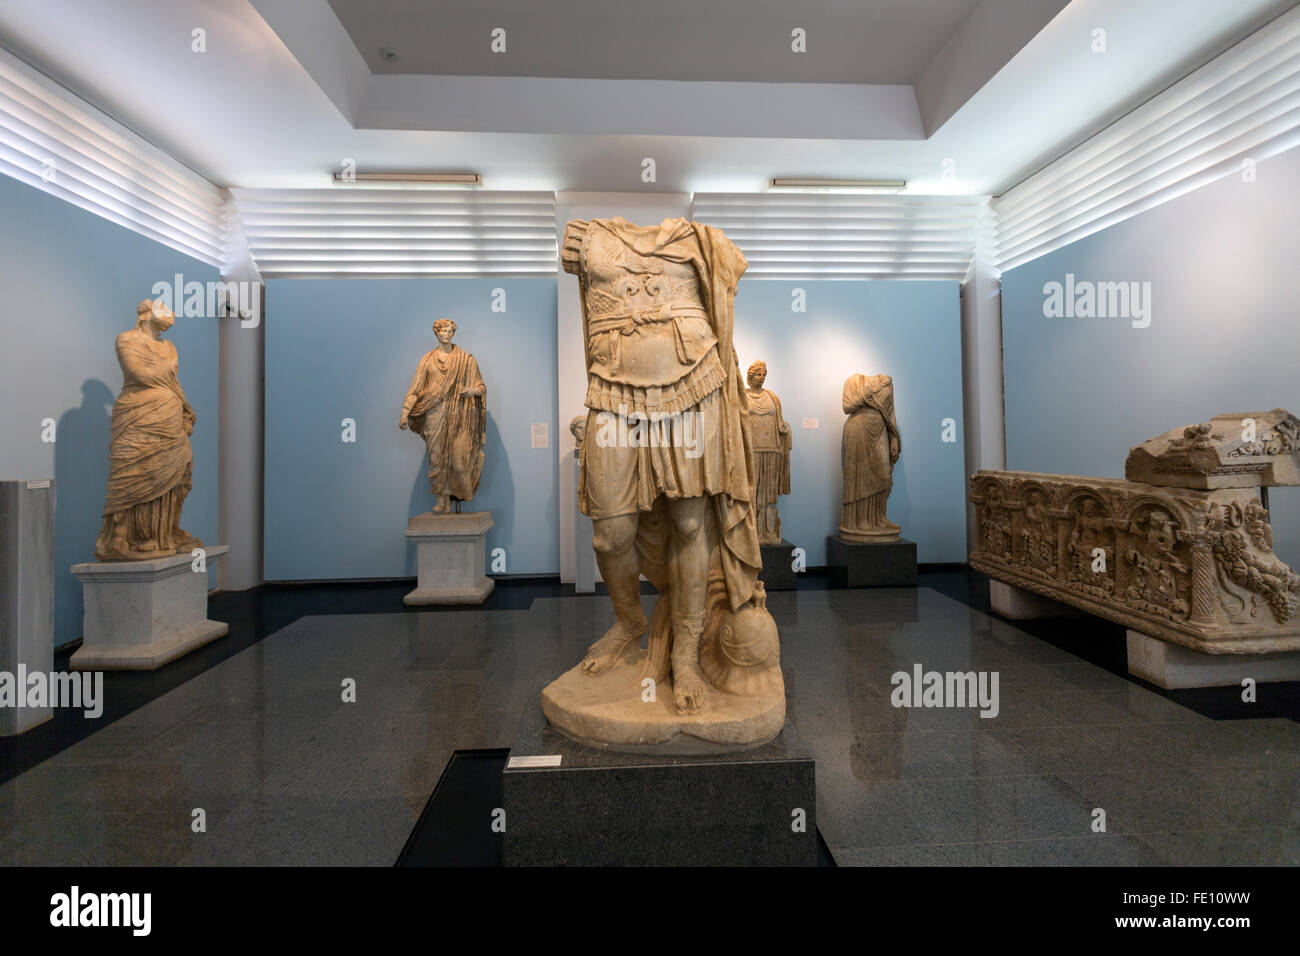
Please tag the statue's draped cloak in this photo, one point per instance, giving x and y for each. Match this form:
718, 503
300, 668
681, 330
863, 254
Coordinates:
454, 426
149, 445
869, 432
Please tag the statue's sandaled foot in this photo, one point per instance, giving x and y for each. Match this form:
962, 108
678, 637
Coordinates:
610, 649
690, 689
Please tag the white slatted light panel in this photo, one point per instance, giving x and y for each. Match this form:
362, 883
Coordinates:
59, 143
846, 236
1243, 105
353, 231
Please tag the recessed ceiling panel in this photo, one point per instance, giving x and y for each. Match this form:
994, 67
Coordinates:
846, 41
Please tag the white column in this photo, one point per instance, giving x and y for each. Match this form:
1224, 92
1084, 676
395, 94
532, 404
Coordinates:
239, 511
981, 346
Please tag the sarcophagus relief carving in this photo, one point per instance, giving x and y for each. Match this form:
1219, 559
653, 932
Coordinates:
1187, 566
1237, 450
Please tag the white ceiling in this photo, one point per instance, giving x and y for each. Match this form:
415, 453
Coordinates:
248, 113
849, 41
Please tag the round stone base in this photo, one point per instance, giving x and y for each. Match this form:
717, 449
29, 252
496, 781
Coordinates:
607, 710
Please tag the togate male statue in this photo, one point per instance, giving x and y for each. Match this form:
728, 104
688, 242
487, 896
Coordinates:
667, 476
771, 453
872, 445
446, 406
150, 464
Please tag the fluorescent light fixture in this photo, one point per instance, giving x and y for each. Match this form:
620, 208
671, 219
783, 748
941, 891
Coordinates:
411, 179
839, 185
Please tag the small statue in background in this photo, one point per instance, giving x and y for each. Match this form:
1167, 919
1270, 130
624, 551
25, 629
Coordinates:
578, 428
447, 407
771, 437
871, 448
150, 464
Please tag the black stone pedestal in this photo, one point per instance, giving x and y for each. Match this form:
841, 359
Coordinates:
870, 564
602, 808
778, 575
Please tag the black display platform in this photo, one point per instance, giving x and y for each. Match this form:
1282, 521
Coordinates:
601, 807
870, 564
450, 830
777, 574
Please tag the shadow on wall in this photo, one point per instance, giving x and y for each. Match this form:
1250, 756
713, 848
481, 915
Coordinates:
898, 508
554, 509
835, 508
421, 501
80, 482
496, 484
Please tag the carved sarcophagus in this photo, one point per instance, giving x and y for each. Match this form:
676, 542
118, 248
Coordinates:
1191, 567
1236, 450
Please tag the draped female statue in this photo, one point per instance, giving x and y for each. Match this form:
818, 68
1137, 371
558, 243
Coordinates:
150, 465
871, 448
771, 454
447, 406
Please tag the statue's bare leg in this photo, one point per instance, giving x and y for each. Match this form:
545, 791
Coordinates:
614, 540
688, 570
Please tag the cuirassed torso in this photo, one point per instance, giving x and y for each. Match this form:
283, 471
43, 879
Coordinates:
647, 326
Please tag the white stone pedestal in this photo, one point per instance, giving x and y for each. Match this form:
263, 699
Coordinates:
26, 591
451, 553
1173, 666
1021, 605
140, 615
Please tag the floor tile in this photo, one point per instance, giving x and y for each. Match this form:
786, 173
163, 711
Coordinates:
286, 772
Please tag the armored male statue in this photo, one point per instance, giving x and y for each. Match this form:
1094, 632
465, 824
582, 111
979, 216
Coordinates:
771, 453
667, 469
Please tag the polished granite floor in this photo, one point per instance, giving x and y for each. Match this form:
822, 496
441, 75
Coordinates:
286, 772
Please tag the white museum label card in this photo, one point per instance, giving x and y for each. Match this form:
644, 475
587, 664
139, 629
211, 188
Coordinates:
40, 483
541, 435
810, 423
540, 760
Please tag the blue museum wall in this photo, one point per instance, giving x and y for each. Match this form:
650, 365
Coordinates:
910, 330
347, 348
1222, 263
71, 282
